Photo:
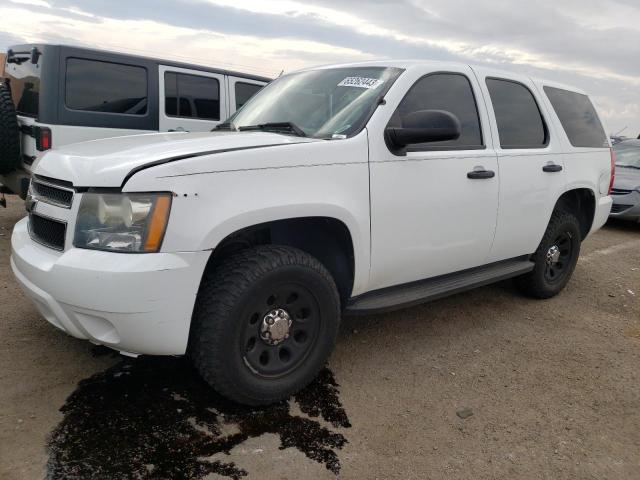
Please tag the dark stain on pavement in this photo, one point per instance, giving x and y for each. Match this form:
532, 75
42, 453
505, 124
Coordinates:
154, 418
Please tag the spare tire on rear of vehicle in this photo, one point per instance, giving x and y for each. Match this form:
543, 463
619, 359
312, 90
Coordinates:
9, 133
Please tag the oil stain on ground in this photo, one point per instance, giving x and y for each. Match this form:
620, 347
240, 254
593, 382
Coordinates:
154, 418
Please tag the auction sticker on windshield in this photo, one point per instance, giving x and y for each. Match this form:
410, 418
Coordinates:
361, 82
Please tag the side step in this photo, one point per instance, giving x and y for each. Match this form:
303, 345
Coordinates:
422, 291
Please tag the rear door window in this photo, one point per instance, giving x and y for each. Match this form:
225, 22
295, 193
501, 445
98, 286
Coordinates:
97, 86
244, 91
578, 118
451, 92
520, 123
192, 96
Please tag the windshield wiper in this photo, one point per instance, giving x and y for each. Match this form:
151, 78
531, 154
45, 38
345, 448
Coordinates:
628, 166
277, 127
224, 126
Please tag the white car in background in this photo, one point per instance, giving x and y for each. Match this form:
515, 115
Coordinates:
357, 188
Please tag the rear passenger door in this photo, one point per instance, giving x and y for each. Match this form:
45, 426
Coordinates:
530, 161
429, 216
240, 91
191, 100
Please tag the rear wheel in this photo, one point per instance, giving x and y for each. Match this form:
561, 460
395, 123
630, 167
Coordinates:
265, 323
555, 259
9, 133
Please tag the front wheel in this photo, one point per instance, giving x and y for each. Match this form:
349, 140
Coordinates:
555, 258
265, 322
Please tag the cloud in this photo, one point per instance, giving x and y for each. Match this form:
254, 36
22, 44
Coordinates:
592, 43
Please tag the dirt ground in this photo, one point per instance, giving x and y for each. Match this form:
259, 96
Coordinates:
481, 385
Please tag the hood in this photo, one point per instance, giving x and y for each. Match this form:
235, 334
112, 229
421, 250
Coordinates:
627, 178
108, 162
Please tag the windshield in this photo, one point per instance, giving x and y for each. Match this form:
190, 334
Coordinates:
325, 103
627, 154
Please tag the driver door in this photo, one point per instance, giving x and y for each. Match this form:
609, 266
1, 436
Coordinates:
428, 218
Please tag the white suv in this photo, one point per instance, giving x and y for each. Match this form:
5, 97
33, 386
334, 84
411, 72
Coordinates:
352, 188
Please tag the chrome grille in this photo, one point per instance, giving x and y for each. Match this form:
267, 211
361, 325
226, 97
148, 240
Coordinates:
620, 191
53, 194
619, 207
48, 232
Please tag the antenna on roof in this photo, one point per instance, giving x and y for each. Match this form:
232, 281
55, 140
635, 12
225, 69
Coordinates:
620, 131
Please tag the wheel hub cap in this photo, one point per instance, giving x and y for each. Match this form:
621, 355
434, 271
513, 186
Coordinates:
553, 255
275, 326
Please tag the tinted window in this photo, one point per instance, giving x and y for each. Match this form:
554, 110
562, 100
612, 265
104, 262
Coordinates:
171, 94
578, 118
519, 120
192, 96
443, 91
23, 81
105, 87
244, 91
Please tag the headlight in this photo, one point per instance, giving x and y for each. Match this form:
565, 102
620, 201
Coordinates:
122, 222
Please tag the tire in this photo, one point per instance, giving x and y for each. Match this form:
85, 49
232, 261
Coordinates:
9, 133
548, 278
230, 331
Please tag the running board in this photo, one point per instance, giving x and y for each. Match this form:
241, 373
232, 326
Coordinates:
422, 291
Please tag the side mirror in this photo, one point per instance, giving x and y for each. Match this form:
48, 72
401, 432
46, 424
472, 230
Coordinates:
424, 126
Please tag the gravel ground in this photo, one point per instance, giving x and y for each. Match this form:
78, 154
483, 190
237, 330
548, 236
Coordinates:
484, 384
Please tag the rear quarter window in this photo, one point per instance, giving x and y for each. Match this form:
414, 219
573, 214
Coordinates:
97, 86
578, 118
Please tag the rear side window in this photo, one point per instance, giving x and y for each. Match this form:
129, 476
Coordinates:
191, 96
97, 86
244, 91
520, 123
23, 80
443, 91
578, 118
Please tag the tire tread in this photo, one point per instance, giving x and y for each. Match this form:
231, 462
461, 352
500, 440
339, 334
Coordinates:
221, 290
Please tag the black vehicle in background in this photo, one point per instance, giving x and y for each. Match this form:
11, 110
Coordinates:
54, 95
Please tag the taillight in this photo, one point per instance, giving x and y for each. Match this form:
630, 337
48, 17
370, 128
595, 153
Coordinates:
43, 138
613, 170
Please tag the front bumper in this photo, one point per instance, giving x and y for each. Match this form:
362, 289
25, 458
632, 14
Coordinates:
626, 207
134, 303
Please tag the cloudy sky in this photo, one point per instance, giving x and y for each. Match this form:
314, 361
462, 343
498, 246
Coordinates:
594, 44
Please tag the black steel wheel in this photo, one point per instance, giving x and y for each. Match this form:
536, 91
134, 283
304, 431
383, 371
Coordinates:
558, 258
264, 324
281, 328
555, 258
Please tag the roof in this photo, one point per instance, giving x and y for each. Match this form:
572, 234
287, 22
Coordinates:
163, 61
411, 63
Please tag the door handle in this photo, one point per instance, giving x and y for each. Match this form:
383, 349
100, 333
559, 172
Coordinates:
552, 167
481, 174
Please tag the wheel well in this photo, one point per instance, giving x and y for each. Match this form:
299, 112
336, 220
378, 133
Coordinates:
581, 202
327, 239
